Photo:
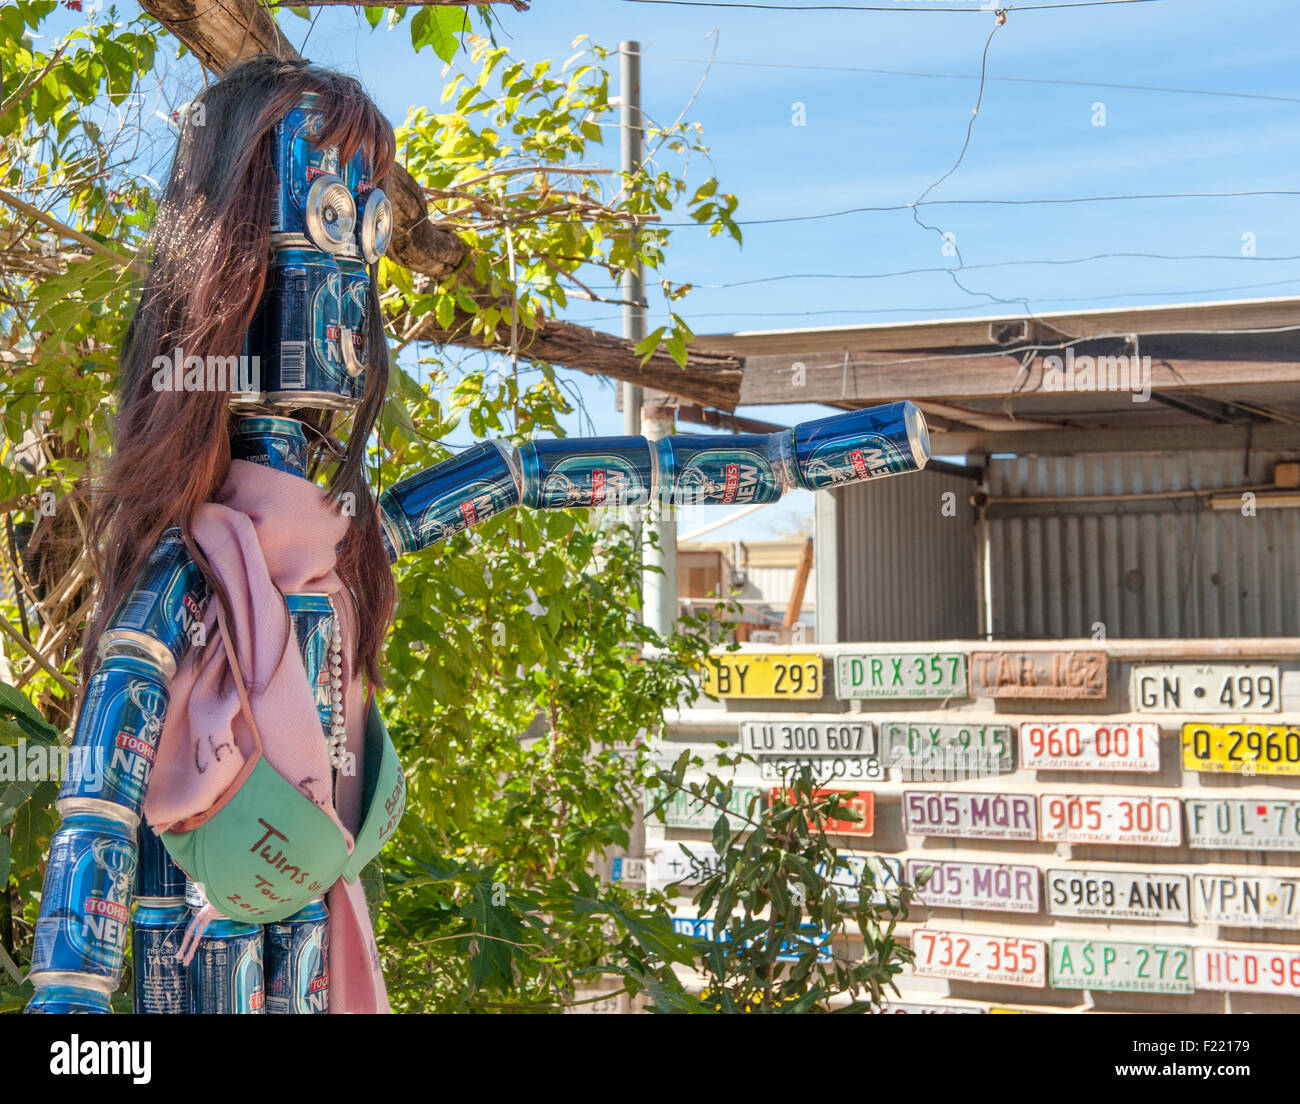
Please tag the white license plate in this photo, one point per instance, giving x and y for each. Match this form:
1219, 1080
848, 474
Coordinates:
1088, 745
792, 949
682, 810
970, 815
1117, 894
1001, 959
1253, 824
929, 752
1226, 968
822, 768
1206, 688
671, 865
1110, 818
1105, 964
886, 873
630, 870
808, 738
903, 1008
1246, 900
998, 887
908, 675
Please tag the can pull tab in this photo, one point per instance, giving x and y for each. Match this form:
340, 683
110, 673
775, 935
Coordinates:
348, 353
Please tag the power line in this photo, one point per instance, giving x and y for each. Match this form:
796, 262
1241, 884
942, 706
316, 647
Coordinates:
896, 8
976, 76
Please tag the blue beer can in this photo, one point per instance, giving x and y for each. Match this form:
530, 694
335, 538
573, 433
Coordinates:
272, 442
226, 976
297, 963
312, 616
161, 981
157, 878
700, 470
441, 501
311, 197
63, 1000
310, 328
862, 444
117, 737
85, 907
602, 471
163, 613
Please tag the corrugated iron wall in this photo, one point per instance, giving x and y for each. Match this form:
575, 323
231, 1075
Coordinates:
1160, 567
905, 565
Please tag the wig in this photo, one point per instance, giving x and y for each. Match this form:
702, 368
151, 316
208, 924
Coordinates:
210, 254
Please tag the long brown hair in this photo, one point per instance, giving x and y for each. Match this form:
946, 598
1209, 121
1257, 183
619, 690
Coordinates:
210, 255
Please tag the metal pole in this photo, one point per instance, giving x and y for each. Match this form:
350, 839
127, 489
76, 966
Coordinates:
629, 71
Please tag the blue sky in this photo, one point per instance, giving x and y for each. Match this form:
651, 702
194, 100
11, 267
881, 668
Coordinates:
876, 139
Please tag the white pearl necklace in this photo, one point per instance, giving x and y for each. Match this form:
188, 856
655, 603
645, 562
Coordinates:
338, 737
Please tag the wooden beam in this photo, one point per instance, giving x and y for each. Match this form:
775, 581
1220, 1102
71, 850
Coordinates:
800, 584
224, 32
1147, 439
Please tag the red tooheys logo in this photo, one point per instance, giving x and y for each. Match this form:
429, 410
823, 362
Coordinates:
97, 906
597, 487
134, 743
468, 512
256, 999
859, 463
317, 984
732, 485
313, 171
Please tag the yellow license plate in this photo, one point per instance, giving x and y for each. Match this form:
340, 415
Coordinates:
754, 675
1242, 748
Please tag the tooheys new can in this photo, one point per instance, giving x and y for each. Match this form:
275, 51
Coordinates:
297, 962
161, 981
85, 906
157, 878
606, 471
313, 620
277, 443
299, 163
298, 330
700, 470
439, 502
865, 444
226, 975
117, 737
163, 613
62, 1000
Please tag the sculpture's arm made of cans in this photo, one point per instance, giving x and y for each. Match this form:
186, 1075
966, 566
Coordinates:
91, 875
683, 469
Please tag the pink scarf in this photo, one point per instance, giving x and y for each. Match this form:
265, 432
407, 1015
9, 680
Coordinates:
266, 534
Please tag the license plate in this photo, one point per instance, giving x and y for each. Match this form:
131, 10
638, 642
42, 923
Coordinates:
1246, 900
862, 802
902, 1008
998, 887
1249, 969
754, 675
1242, 823
1117, 894
886, 873
1247, 749
1110, 818
1087, 745
907, 675
970, 815
808, 738
1064, 675
926, 752
792, 949
1001, 959
630, 870
681, 810
671, 865
1126, 967
1206, 688
823, 768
